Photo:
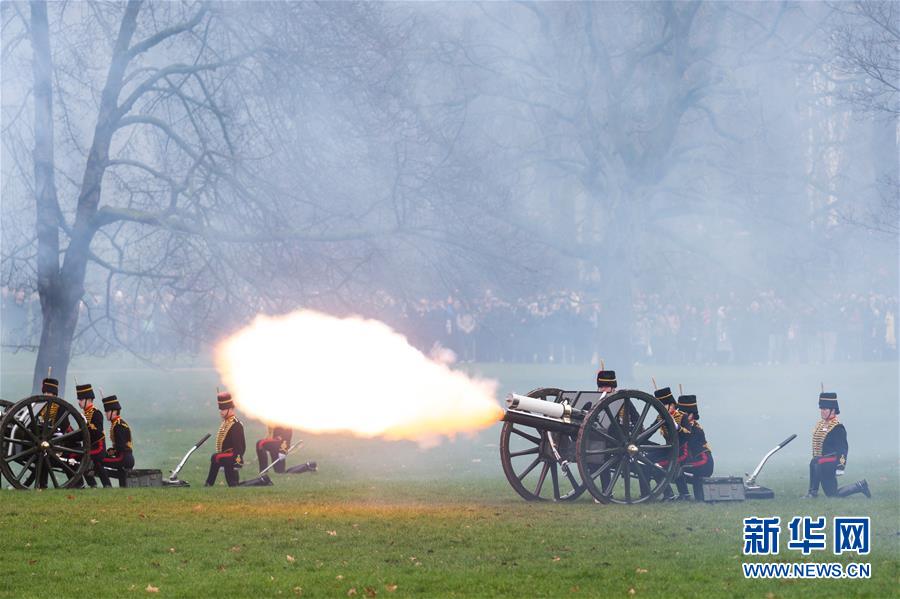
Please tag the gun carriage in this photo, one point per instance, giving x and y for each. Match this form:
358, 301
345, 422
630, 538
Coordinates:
620, 447
44, 441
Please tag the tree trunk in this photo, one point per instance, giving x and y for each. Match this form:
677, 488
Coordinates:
59, 320
46, 205
61, 288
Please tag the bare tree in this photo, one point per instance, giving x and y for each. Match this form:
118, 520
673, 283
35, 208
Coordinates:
195, 164
864, 41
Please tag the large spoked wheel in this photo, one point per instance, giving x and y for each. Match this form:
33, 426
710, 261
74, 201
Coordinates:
44, 441
540, 465
627, 448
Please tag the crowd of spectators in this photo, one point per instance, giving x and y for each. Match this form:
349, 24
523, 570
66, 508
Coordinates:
569, 327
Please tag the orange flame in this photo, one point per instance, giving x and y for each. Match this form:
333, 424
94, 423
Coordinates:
318, 373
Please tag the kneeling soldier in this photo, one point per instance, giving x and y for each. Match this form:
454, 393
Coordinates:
94, 420
699, 462
659, 456
276, 442
829, 448
120, 458
230, 444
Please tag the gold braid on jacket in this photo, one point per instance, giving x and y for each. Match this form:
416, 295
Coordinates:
54, 409
823, 427
223, 432
677, 416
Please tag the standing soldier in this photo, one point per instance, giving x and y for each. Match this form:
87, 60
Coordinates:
94, 420
230, 444
699, 462
120, 457
829, 453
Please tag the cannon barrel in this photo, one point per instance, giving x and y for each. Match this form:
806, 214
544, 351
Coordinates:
543, 415
552, 409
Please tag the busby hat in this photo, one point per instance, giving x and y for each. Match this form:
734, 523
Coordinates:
50, 386
224, 400
688, 405
828, 401
664, 395
84, 392
111, 403
606, 378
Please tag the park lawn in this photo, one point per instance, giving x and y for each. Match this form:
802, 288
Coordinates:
313, 537
397, 520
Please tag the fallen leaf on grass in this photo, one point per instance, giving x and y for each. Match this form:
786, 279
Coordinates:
298, 590
632, 592
290, 559
390, 588
93, 521
152, 589
198, 507
371, 592
331, 533
641, 571
556, 558
235, 549
32, 562
351, 592
70, 497
574, 589
171, 550
220, 567
141, 516
339, 577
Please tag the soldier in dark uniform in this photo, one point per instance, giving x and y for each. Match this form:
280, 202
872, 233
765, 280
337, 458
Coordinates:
699, 462
119, 458
276, 442
829, 453
94, 420
230, 444
664, 395
50, 413
606, 381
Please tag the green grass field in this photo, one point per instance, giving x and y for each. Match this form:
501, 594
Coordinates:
394, 520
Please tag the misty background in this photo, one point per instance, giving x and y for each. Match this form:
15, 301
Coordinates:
707, 192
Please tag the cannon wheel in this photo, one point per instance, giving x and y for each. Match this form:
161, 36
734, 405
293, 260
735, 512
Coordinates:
621, 446
527, 456
35, 451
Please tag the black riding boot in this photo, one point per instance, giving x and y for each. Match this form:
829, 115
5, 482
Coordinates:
301, 468
813, 481
861, 486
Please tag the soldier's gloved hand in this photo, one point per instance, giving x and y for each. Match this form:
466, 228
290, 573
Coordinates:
281, 455
839, 471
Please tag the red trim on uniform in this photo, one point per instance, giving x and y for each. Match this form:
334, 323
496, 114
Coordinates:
827, 460
224, 454
684, 453
101, 447
115, 460
259, 444
704, 457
